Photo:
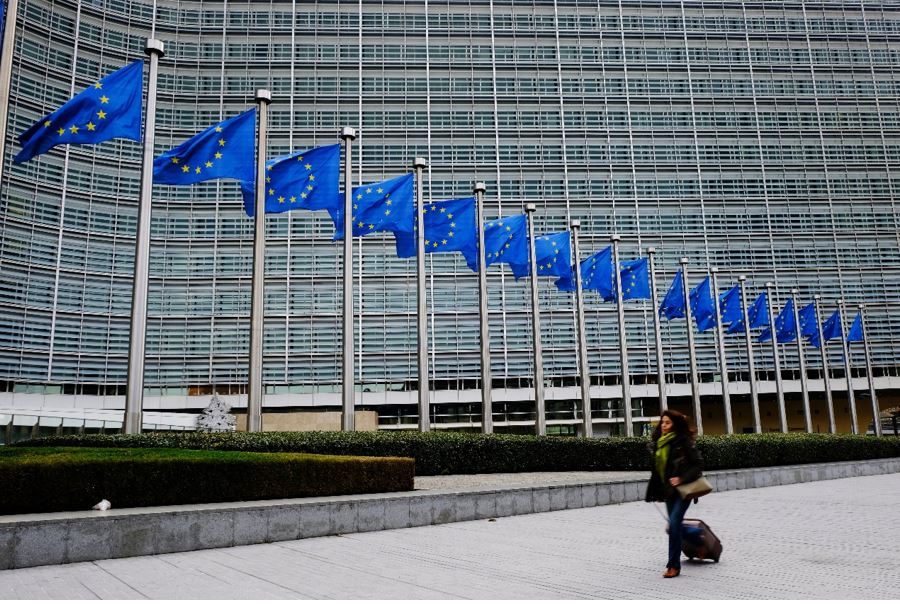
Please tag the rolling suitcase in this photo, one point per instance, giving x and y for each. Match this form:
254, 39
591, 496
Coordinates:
698, 540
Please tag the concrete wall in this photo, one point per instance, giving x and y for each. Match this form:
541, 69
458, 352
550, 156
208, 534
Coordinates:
308, 421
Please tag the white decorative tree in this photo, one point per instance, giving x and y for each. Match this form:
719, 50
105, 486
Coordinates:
215, 418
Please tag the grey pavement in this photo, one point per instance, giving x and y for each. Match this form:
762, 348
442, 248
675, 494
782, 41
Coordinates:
828, 539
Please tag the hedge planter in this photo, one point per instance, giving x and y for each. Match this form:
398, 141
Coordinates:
466, 453
51, 479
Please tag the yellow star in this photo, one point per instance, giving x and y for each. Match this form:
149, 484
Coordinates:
197, 169
218, 155
443, 210
268, 179
434, 244
355, 206
281, 199
369, 190
74, 129
389, 202
47, 124
209, 164
359, 196
104, 99
450, 216
293, 198
221, 142
387, 212
309, 187
61, 131
371, 226
312, 176
427, 242
91, 126
508, 229
218, 128
98, 86
185, 169
268, 168
303, 195
444, 242
271, 191
307, 166
450, 234
174, 160
101, 115
379, 190
453, 224
359, 224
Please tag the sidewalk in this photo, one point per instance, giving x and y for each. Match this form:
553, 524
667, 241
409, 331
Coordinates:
823, 539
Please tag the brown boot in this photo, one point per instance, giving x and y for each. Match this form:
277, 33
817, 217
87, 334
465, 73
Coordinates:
671, 572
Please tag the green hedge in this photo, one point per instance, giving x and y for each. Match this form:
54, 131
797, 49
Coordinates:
466, 453
51, 479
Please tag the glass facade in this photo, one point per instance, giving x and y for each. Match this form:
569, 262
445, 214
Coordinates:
757, 137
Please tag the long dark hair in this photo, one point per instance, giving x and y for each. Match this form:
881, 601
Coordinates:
680, 424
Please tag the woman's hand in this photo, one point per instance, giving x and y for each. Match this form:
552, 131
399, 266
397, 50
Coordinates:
674, 481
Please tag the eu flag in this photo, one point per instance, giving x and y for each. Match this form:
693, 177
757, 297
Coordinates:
110, 108
702, 305
831, 329
808, 326
505, 240
596, 275
307, 180
552, 254
381, 206
856, 330
730, 305
226, 150
758, 314
449, 227
785, 326
635, 276
672, 306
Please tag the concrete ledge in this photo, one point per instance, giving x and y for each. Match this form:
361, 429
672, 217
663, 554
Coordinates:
59, 538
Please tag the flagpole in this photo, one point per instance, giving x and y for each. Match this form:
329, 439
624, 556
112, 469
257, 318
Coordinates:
257, 300
872, 396
660, 367
625, 378
804, 386
134, 394
723, 362
487, 405
851, 396
6, 59
424, 408
586, 418
540, 422
779, 388
695, 385
751, 364
832, 427
348, 419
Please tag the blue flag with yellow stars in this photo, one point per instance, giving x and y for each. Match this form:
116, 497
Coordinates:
856, 330
672, 306
808, 326
785, 326
449, 227
306, 180
381, 206
635, 279
110, 108
553, 256
226, 150
702, 305
505, 240
758, 314
730, 307
596, 275
831, 328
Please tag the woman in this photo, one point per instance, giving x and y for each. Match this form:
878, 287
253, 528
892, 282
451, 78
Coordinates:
675, 461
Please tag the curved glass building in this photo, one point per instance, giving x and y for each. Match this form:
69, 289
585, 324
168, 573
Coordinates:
762, 138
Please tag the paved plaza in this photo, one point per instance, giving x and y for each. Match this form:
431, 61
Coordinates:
827, 539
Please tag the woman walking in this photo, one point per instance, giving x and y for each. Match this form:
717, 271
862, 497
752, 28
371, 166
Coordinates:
675, 461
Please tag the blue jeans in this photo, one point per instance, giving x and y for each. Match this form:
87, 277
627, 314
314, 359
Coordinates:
676, 506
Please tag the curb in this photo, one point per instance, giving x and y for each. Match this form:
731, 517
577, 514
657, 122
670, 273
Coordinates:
67, 537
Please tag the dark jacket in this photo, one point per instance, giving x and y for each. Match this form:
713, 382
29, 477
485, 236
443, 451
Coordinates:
684, 462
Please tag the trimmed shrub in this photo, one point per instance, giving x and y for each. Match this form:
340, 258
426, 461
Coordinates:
51, 479
466, 453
